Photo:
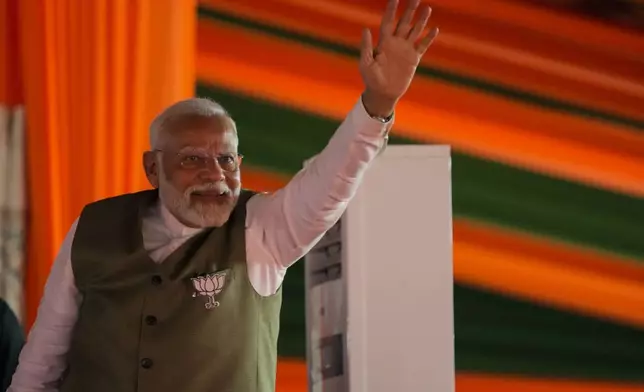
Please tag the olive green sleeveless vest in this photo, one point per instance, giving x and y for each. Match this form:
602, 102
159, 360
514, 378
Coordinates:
150, 327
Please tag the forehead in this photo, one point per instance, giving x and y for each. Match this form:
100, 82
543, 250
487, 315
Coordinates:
201, 132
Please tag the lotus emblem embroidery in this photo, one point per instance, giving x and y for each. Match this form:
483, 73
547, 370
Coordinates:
209, 285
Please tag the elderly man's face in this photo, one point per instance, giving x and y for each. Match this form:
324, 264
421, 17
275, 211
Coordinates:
196, 168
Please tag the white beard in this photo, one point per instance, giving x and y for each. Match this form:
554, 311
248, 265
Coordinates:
195, 214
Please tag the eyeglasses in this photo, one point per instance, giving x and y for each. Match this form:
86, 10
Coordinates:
195, 160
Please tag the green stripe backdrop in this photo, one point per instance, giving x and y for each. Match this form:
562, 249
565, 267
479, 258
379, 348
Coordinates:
494, 333
280, 139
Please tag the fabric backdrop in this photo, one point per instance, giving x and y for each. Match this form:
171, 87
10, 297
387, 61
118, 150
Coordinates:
543, 112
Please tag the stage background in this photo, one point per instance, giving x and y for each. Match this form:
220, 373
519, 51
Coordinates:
541, 104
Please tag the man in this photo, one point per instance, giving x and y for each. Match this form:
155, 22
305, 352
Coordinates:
178, 288
11, 341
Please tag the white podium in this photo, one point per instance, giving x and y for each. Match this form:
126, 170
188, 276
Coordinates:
379, 284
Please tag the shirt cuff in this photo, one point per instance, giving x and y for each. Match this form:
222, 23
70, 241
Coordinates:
370, 124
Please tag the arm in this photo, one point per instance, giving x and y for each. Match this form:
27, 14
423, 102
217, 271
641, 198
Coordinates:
43, 359
283, 226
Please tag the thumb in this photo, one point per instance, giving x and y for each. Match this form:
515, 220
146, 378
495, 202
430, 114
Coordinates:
366, 48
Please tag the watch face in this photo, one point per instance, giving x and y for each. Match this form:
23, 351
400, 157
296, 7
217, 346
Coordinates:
383, 120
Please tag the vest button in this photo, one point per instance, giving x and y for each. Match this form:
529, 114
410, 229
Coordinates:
156, 280
150, 320
146, 363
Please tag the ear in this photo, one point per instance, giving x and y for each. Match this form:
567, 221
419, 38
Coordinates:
151, 167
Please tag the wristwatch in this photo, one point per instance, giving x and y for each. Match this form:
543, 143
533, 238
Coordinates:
383, 120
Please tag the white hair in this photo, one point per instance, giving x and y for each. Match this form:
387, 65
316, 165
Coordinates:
189, 107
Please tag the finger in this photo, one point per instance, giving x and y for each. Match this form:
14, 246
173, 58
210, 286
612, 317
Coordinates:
404, 25
366, 48
427, 40
388, 18
419, 27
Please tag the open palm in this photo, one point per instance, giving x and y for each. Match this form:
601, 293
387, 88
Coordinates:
388, 70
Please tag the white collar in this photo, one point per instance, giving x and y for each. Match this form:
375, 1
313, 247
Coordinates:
175, 228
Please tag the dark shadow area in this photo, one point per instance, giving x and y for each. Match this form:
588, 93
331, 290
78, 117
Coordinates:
627, 14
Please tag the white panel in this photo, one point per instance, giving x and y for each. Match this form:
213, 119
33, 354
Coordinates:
397, 277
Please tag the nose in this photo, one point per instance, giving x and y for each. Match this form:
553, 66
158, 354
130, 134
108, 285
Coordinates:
211, 171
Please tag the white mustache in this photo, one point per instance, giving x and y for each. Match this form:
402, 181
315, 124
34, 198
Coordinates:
219, 187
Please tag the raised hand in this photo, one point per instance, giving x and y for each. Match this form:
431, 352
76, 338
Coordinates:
387, 70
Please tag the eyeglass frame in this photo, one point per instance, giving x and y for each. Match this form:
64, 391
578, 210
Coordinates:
236, 156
